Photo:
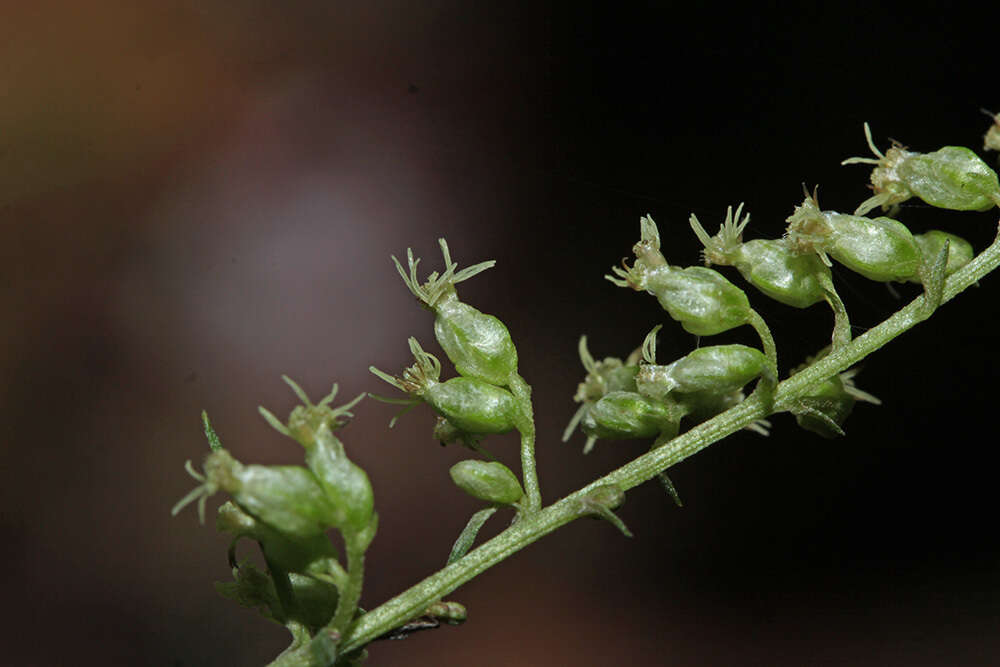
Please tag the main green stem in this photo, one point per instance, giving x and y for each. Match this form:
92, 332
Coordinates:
410, 603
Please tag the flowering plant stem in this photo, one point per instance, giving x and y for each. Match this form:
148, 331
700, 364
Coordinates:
531, 526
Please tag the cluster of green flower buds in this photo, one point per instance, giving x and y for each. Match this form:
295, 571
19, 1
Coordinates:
638, 400
288, 510
487, 397
479, 345
952, 177
471, 406
642, 399
332, 492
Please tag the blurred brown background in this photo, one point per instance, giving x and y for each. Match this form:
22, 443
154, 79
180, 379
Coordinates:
199, 196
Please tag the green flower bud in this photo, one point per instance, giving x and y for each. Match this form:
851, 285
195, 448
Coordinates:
345, 484
880, 249
952, 177
767, 264
286, 498
470, 404
487, 480
602, 377
479, 345
991, 140
717, 369
624, 415
699, 298
474, 406
930, 243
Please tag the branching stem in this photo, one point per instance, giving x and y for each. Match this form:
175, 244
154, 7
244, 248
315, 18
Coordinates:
531, 527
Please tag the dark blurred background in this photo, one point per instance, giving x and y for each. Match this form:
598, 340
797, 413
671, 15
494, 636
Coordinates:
198, 196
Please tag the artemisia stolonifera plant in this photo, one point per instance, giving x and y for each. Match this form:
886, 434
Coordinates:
679, 406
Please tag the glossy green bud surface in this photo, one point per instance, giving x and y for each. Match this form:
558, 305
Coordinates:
479, 345
287, 498
953, 177
702, 300
473, 405
880, 249
345, 484
470, 404
718, 369
791, 279
767, 264
487, 480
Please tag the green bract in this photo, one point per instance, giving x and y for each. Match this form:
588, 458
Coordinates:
880, 249
717, 369
487, 480
828, 405
600, 501
479, 345
767, 264
345, 484
703, 301
953, 177
930, 243
825, 407
470, 404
